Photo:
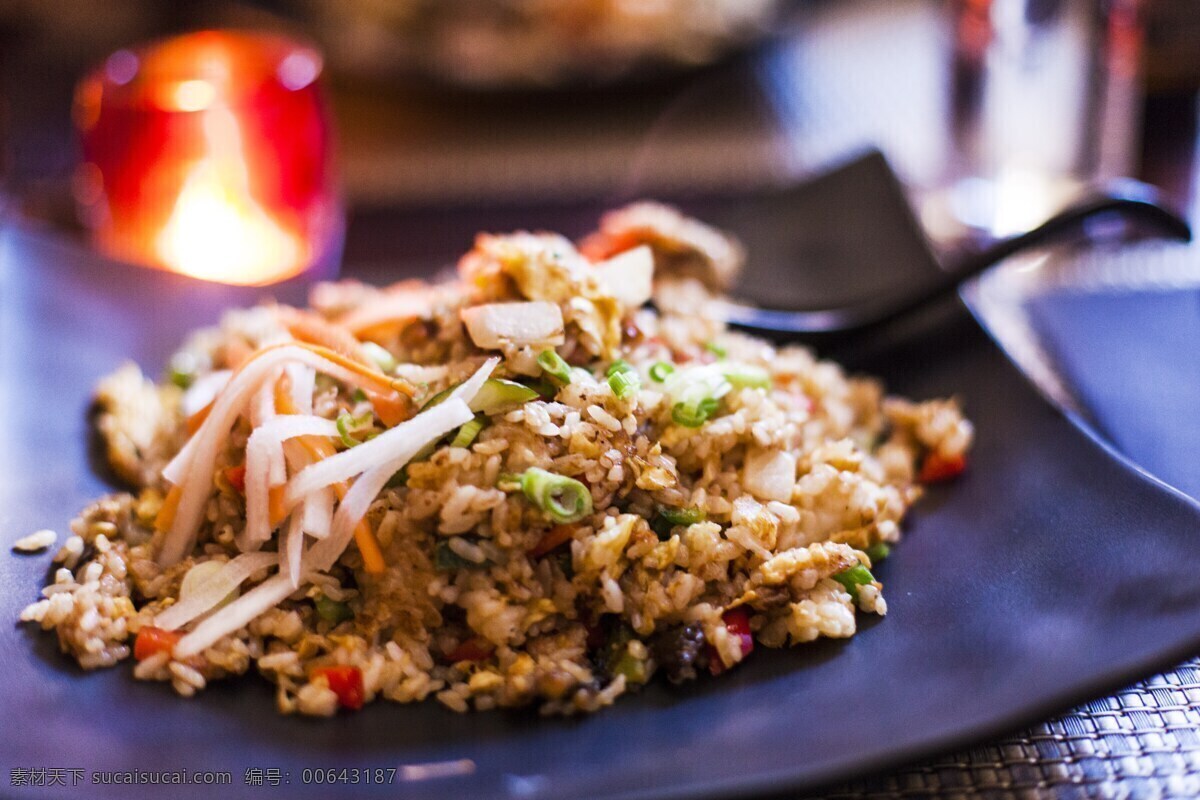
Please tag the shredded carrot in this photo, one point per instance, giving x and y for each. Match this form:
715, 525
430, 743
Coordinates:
166, 514
196, 420
277, 511
314, 329
557, 535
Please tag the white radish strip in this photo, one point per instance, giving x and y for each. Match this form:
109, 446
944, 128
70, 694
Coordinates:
243, 383
317, 513
467, 390
263, 450
425, 427
262, 407
354, 505
231, 575
291, 549
303, 380
198, 457
317, 507
202, 392
265, 596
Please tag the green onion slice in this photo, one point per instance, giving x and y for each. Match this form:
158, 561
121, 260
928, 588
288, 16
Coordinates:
660, 370
561, 498
469, 430
856, 576
554, 366
693, 415
624, 384
382, 358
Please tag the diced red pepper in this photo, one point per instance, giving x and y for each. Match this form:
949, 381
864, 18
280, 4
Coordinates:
237, 477
937, 468
473, 649
556, 536
346, 682
151, 641
737, 623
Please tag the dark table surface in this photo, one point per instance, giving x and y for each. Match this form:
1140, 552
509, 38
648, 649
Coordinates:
1142, 741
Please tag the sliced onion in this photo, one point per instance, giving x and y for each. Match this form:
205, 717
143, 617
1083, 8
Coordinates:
261, 598
262, 406
424, 428
202, 392
495, 325
629, 276
192, 468
213, 590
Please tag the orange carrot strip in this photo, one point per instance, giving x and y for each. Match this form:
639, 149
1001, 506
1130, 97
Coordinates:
196, 420
166, 514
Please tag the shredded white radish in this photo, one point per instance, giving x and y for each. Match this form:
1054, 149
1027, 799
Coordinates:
317, 513
202, 392
325, 553
215, 589
425, 427
192, 467
303, 382
264, 451
262, 406
266, 595
291, 547
467, 390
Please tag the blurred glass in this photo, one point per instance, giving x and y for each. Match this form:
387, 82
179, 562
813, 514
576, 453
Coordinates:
1043, 103
211, 155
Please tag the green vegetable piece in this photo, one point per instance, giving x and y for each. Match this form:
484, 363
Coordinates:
498, 396
856, 576
620, 365
182, 369
716, 349
668, 517
382, 358
348, 425
660, 371
634, 669
440, 396
624, 384
561, 498
693, 415
554, 366
469, 430
333, 611
878, 552
359, 396
745, 376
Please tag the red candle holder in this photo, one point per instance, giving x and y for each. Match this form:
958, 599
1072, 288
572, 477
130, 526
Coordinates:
211, 155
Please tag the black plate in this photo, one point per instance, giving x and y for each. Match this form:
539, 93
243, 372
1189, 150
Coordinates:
1051, 572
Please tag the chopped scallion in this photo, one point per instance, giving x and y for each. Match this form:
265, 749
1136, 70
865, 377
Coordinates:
469, 430
856, 576
745, 376
668, 517
333, 611
618, 366
693, 415
554, 366
878, 552
563, 499
348, 425
624, 384
382, 358
716, 349
182, 369
660, 371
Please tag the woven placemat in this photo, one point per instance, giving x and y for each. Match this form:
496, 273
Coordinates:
1143, 741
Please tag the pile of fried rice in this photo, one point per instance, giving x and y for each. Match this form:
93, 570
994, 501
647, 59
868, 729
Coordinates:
525, 486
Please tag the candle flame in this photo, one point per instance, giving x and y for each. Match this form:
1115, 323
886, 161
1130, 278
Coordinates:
216, 230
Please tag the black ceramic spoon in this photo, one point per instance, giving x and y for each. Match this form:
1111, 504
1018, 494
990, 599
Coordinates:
858, 258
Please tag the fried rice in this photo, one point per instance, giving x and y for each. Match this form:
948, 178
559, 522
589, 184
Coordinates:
525, 486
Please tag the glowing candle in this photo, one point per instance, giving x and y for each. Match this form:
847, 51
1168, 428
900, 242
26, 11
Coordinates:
210, 155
